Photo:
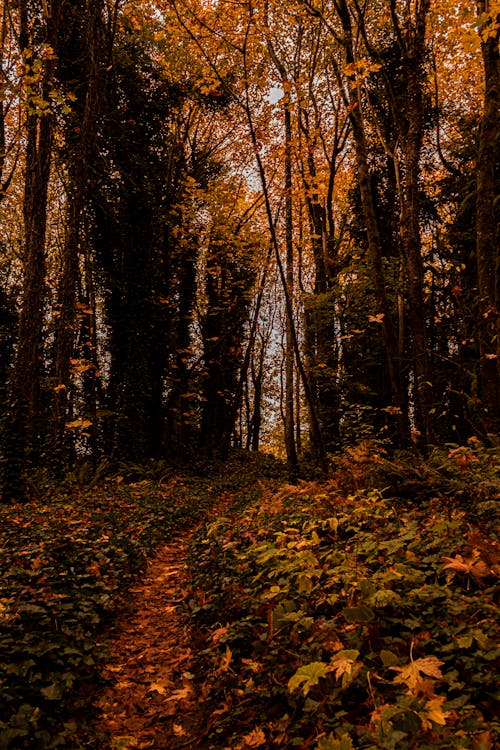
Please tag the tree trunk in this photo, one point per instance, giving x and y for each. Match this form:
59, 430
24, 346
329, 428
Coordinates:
23, 432
410, 123
399, 395
84, 123
291, 450
487, 239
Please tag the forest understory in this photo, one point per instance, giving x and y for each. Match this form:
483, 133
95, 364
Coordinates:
232, 609
230, 230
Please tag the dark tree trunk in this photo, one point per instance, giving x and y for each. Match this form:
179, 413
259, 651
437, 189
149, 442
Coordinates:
487, 232
24, 435
291, 449
399, 395
410, 124
82, 52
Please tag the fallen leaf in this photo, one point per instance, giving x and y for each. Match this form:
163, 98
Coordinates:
179, 695
433, 712
343, 662
256, 738
160, 686
410, 673
472, 566
225, 661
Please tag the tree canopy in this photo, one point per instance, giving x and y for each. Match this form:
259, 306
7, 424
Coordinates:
261, 224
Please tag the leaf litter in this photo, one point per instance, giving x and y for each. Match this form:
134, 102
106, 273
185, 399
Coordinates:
150, 699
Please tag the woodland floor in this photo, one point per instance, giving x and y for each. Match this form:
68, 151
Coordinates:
228, 609
150, 700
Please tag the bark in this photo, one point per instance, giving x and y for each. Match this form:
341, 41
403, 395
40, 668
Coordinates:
487, 239
399, 395
24, 437
291, 449
79, 170
410, 123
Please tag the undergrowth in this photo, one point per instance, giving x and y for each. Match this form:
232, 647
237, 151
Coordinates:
66, 560
365, 620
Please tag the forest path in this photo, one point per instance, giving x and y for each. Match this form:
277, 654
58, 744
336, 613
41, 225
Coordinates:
149, 700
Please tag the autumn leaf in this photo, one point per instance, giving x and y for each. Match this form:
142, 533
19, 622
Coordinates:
410, 674
218, 633
179, 695
472, 566
256, 738
433, 712
376, 318
78, 423
225, 661
160, 686
343, 662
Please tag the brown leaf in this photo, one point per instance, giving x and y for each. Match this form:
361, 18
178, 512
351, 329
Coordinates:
410, 673
473, 566
160, 686
179, 695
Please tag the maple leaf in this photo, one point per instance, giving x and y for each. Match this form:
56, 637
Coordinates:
343, 662
472, 566
308, 675
256, 738
433, 712
160, 686
410, 673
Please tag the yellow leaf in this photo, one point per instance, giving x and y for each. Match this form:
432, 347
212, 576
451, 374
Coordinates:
433, 712
343, 662
376, 318
78, 423
160, 686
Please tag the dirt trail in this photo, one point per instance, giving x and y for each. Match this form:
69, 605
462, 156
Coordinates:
149, 701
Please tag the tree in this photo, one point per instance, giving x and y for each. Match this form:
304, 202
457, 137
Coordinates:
38, 34
487, 216
80, 72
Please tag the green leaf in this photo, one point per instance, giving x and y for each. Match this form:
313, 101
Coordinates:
308, 675
358, 614
332, 743
52, 692
388, 658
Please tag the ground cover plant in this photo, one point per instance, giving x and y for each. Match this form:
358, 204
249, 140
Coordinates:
336, 620
66, 559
